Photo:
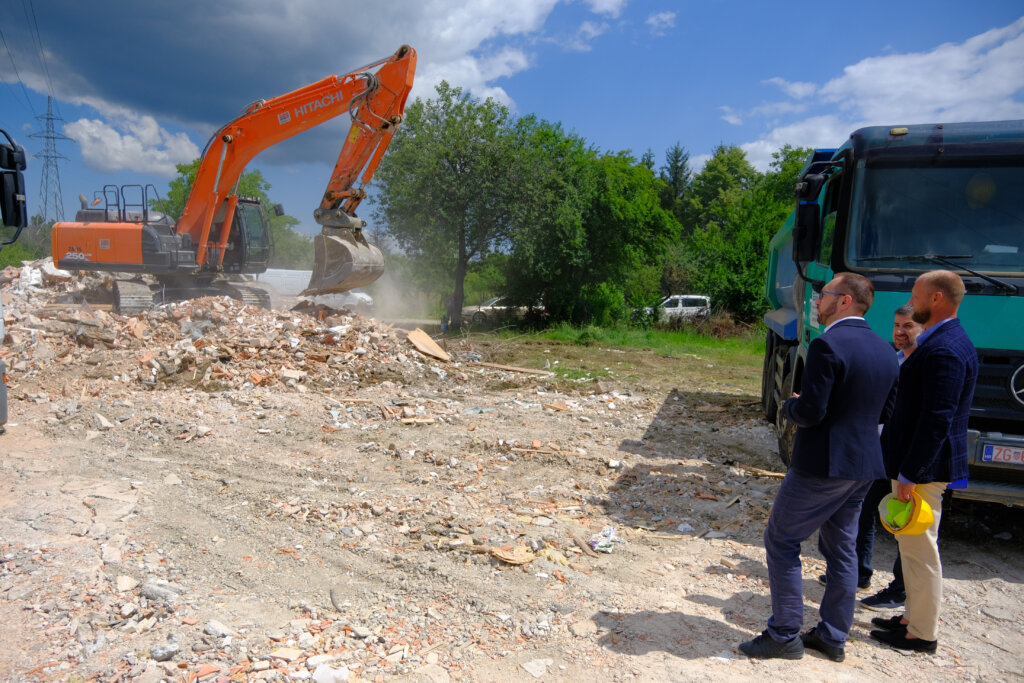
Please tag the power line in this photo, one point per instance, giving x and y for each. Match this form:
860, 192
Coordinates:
16, 74
49, 182
30, 17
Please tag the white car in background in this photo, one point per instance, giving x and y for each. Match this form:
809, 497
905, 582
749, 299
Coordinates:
495, 309
684, 307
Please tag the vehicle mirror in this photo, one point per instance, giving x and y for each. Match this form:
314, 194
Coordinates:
809, 187
12, 184
278, 209
12, 200
806, 229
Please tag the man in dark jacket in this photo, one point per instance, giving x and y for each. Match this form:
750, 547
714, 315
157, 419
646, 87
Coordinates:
848, 389
925, 446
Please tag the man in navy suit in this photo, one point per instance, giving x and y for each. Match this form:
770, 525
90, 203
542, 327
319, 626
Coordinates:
925, 446
848, 389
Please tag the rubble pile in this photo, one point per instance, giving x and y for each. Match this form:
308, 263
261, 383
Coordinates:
209, 343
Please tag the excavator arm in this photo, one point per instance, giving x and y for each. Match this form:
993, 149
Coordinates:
375, 101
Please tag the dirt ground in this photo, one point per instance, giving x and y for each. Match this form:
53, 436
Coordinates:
215, 492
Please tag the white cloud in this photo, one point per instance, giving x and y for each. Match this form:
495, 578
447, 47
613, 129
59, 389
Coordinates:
980, 79
797, 90
610, 7
135, 143
730, 116
973, 80
819, 131
661, 22
586, 33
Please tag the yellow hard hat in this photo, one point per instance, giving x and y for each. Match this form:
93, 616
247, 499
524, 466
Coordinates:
911, 517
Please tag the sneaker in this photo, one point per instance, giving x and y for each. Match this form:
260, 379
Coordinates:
900, 641
861, 585
890, 624
812, 640
884, 599
766, 647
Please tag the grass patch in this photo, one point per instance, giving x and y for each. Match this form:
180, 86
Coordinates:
651, 357
666, 342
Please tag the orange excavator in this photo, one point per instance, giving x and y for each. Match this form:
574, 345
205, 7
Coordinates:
221, 233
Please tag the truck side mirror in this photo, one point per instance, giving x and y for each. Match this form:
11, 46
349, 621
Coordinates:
807, 218
278, 209
806, 227
12, 184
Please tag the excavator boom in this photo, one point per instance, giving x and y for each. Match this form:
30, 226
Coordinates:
375, 101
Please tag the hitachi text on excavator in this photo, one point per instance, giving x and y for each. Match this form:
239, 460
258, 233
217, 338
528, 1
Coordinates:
221, 233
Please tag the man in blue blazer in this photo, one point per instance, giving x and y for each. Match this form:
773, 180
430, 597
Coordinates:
925, 446
848, 389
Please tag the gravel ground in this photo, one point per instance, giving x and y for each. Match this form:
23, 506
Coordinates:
215, 492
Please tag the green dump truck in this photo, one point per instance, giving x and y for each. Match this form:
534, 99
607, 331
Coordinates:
890, 204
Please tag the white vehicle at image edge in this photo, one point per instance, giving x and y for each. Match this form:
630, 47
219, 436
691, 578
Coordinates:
684, 306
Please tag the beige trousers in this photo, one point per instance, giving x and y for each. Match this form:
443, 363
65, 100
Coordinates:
922, 568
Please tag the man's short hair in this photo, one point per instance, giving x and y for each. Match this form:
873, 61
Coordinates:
947, 282
905, 309
859, 288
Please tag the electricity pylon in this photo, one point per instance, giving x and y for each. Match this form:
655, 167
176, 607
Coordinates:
49, 181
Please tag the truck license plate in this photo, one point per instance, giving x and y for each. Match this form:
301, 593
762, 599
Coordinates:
1002, 454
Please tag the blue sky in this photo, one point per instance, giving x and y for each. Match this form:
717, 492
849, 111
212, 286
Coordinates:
141, 86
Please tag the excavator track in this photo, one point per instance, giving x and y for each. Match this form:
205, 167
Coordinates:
253, 296
132, 297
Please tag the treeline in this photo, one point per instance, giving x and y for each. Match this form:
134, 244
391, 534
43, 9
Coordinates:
472, 196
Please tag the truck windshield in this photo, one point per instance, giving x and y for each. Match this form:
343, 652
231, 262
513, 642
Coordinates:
973, 211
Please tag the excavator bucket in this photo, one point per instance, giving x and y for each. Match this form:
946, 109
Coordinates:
343, 260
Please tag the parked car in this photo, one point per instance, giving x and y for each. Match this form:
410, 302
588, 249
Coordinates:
684, 307
495, 309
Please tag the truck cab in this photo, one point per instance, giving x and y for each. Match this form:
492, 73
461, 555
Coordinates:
892, 203
14, 215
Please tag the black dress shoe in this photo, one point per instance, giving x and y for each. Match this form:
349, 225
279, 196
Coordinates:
898, 639
890, 624
766, 647
812, 640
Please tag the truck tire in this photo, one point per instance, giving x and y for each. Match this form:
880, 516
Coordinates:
785, 430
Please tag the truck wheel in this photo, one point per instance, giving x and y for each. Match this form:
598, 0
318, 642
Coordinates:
785, 429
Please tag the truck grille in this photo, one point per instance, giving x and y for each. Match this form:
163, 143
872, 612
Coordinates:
995, 408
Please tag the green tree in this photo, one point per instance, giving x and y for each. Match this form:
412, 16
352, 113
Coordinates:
726, 176
592, 248
550, 254
676, 175
647, 159
450, 183
728, 254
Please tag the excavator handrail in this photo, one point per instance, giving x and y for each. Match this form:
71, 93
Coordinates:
266, 122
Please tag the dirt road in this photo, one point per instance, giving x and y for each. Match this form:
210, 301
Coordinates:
210, 492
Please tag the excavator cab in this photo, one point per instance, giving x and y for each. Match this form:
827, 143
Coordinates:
248, 246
